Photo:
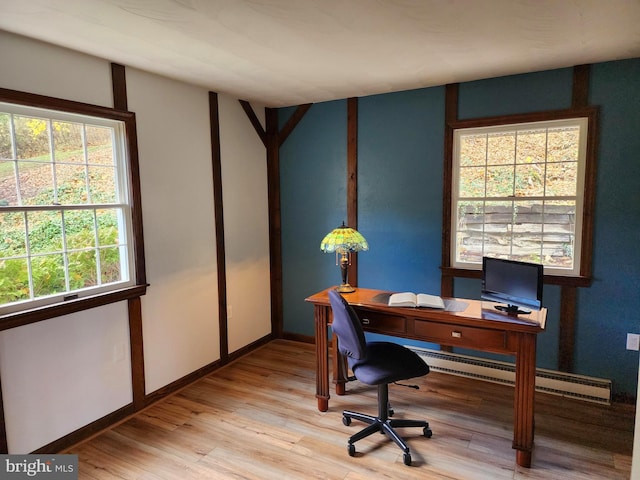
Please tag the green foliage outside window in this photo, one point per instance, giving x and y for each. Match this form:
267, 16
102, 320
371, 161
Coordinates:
86, 240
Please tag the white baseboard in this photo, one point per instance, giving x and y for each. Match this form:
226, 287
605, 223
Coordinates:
570, 385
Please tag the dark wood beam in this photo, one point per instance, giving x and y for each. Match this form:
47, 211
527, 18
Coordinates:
352, 179
119, 87
273, 138
450, 117
568, 301
292, 122
569, 293
246, 106
137, 353
216, 164
580, 91
275, 228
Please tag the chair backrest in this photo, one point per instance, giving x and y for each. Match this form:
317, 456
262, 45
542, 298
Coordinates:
346, 325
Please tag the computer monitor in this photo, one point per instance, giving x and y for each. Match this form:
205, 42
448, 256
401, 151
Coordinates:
513, 283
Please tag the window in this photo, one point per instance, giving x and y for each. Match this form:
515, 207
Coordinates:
518, 192
65, 205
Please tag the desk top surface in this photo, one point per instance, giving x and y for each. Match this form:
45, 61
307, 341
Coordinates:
459, 311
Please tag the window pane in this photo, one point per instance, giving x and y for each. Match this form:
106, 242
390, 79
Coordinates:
83, 270
48, 275
558, 252
528, 217
36, 183
560, 229
473, 150
32, 138
14, 242
472, 182
527, 231
68, 143
72, 184
562, 179
108, 233
563, 144
501, 148
470, 235
532, 146
529, 180
110, 265
14, 280
5, 137
99, 145
79, 229
53, 167
500, 181
102, 184
498, 228
8, 186
515, 217
45, 231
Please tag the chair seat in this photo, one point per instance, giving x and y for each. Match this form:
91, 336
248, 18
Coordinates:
387, 362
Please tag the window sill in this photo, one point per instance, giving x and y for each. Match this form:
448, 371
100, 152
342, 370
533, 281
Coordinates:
18, 319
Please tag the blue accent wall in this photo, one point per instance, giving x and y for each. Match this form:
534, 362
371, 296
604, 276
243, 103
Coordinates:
313, 192
400, 152
611, 307
400, 171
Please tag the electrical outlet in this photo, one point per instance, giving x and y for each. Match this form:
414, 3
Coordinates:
633, 341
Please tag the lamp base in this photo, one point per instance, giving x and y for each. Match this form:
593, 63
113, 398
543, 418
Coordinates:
345, 288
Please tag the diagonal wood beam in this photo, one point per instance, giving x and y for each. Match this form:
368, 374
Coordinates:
292, 122
246, 106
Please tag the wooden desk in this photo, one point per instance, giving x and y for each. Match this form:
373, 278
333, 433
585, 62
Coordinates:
478, 327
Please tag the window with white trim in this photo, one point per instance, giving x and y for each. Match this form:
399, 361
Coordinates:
518, 193
65, 207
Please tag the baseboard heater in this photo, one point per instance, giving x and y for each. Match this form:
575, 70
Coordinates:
549, 381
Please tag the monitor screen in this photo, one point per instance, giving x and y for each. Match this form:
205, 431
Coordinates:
514, 283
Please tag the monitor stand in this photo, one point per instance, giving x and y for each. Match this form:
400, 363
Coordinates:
512, 310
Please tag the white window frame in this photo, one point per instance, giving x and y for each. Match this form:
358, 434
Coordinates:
583, 124
123, 203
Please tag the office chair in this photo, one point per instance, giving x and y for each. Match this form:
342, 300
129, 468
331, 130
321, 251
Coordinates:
375, 363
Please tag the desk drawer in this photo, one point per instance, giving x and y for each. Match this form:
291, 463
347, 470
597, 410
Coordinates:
382, 323
461, 336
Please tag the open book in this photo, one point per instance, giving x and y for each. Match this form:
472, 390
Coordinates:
409, 299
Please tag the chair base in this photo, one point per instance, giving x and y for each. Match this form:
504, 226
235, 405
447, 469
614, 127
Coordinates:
386, 426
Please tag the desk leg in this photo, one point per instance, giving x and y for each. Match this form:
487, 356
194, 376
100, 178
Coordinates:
321, 317
525, 390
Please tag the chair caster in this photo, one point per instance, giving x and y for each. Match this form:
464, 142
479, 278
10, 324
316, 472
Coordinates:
346, 421
351, 448
427, 432
406, 458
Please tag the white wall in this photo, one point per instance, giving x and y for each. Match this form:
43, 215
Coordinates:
61, 374
246, 224
180, 310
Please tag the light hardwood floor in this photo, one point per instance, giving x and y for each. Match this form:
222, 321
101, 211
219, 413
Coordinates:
257, 418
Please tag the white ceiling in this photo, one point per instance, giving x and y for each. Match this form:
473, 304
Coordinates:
288, 52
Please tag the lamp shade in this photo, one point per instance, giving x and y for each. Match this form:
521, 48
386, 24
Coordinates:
343, 239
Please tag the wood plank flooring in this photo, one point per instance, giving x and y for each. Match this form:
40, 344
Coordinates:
257, 419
